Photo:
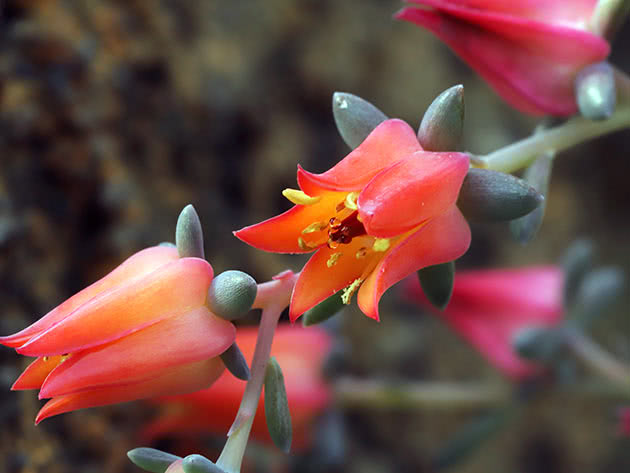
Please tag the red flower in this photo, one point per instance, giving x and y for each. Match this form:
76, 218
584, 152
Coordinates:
141, 331
300, 353
386, 210
489, 307
528, 50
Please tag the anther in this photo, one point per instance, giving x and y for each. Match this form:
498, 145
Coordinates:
351, 201
45, 358
350, 290
299, 197
361, 253
333, 259
381, 244
315, 227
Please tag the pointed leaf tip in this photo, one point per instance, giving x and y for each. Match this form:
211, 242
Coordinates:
235, 362
232, 294
188, 234
355, 117
200, 464
596, 92
493, 196
277, 407
442, 126
151, 459
437, 283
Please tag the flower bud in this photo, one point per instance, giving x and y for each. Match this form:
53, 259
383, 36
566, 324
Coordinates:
277, 407
494, 196
200, 464
437, 283
231, 294
235, 362
595, 91
442, 126
324, 310
150, 459
188, 234
355, 117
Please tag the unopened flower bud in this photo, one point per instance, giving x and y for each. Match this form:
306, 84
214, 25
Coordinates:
494, 196
231, 294
150, 459
595, 91
355, 117
188, 234
442, 126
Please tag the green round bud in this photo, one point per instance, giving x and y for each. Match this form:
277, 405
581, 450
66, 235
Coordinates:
231, 294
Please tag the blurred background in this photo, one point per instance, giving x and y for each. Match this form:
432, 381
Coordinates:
116, 114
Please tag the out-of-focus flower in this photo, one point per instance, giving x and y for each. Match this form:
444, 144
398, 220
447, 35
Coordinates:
299, 351
141, 331
384, 211
489, 307
623, 421
528, 50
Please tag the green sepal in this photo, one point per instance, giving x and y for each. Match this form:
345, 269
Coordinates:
323, 311
538, 344
200, 464
235, 362
442, 126
277, 407
437, 283
151, 459
597, 295
596, 92
576, 263
355, 117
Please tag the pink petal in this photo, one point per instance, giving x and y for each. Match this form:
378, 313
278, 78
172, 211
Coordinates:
140, 264
194, 336
443, 238
171, 290
414, 189
390, 142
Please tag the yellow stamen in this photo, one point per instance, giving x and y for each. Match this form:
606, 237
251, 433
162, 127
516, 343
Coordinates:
298, 197
381, 244
350, 290
46, 358
351, 200
333, 259
315, 227
361, 253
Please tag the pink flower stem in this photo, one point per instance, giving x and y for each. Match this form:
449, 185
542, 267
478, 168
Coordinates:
272, 297
522, 153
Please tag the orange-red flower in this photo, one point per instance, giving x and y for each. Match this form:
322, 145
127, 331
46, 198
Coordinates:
300, 353
489, 307
143, 330
386, 210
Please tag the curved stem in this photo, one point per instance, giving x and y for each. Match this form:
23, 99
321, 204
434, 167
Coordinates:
577, 130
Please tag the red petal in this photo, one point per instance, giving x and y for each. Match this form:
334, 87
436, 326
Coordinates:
194, 336
444, 238
530, 64
280, 234
140, 264
317, 281
402, 196
35, 374
171, 290
175, 380
390, 142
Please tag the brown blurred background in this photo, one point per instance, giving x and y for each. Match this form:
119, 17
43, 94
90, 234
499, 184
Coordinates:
114, 115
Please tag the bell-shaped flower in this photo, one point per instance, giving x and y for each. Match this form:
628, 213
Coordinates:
384, 211
143, 330
528, 50
300, 352
489, 308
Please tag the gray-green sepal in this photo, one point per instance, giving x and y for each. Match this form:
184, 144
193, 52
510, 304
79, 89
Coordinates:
525, 228
442, 126
188, 234
437, 283
355, 117
596, 91
277, 407
231, 294
323, 311
235, 362
597, 295
151, 459
200, 464
538, 344
492, 196
576, 263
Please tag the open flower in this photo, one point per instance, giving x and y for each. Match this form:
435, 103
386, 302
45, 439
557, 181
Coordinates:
528, 50
300, 352
143, 330
489, 307
384, 211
